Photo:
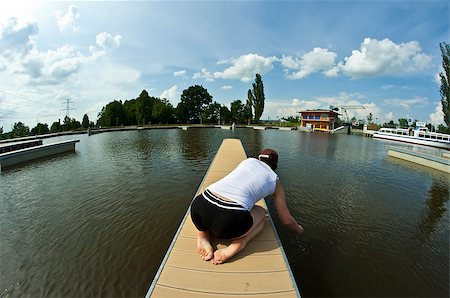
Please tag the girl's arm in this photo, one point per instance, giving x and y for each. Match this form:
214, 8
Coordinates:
283, 212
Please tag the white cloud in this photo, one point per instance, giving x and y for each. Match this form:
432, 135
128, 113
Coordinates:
389, 116
204, 74
15, 38
360, 107
227, 87
180, 73
375, 58
407, 103
67, 20
114, 74
246, 67
170, 94
53, 66
314, 61
278, 108
437, 117
275, 108
23, 62
108, 42
437, 79
332, 72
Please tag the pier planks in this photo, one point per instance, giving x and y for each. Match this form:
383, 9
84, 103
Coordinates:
260, 270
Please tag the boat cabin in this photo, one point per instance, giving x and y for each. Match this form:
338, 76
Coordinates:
321, 120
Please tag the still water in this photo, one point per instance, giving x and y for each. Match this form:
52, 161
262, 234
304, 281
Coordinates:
97, 222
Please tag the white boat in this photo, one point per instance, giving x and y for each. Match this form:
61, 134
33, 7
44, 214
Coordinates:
420, 136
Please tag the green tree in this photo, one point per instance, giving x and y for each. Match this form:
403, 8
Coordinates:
193, 102
248, 114
143, 108
85, 123
225, 115
112, 114
40, 129
237, 112
256, 97
56, 127
20, 130
163, 111
292, 119
445, 82
390, 124
70, 124
370, 118
403, 122
212, 113
129, 107
443, 129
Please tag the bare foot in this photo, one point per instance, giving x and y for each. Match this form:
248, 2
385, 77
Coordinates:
222, 255
204, 247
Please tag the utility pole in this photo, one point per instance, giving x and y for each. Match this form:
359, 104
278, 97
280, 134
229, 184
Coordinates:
68, 108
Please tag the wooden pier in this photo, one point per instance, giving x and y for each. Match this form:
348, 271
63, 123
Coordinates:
260, 270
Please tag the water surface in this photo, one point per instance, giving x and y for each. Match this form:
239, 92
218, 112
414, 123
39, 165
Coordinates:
97, 222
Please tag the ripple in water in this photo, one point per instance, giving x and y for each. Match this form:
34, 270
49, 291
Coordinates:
98, 222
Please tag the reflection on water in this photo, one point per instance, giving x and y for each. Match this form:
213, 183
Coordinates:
97, 223
435, 209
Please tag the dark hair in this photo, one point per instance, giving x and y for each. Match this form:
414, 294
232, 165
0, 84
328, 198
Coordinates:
270, 157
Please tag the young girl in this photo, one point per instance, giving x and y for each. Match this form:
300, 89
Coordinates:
227, 207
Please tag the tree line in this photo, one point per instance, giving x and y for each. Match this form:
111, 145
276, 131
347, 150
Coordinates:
196, 106
69, 124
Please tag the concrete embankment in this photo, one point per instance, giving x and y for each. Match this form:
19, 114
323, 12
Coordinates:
31, 153
441, 163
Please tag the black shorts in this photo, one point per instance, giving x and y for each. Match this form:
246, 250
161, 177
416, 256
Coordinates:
224, 219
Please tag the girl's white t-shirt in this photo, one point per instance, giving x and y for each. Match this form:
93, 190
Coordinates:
251, 181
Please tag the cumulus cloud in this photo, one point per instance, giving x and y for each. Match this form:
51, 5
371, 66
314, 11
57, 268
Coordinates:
53, 65
227, 87
407, 103
180, 73
15, 38
246, 67
20, 56
437, 117
204, 74
389, 116
384, 57
170, 94
358, 100
279, 109
108, 42
314, 61
66, 21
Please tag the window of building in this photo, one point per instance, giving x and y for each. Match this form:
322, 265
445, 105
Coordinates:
305, 117
311, 117
324, 116
317, 117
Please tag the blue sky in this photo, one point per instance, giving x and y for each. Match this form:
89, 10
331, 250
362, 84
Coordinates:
383, 55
